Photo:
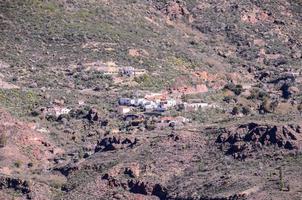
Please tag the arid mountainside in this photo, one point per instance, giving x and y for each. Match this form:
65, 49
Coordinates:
150, 99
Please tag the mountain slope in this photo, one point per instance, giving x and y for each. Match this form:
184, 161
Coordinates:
232, 67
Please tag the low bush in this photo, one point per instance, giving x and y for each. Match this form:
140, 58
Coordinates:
3, 140
237, 89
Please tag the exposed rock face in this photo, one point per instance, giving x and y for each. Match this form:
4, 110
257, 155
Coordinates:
114, 143
176, 10
242, 141
14, 183
137, 186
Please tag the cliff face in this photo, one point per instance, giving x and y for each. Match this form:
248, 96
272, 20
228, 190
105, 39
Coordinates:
64, 64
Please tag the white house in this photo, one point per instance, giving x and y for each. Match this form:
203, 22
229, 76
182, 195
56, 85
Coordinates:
123, 109
171, 102
155, 105
141, 102
132, 102
124, 101
150, 105
160, 109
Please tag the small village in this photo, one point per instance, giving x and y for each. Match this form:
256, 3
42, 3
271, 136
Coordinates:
157, 104
150, 100
144, 105
152, 103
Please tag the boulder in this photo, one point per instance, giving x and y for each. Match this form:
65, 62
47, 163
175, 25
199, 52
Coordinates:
92, 115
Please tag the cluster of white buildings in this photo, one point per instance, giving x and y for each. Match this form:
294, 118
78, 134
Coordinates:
148, 105
159, 104
122, 71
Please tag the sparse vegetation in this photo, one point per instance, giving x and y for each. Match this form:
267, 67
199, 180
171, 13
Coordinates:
258, 94
235, 110
269, 106
246, 110
19, 102
221, 63
150, 82
281, 179
299, 107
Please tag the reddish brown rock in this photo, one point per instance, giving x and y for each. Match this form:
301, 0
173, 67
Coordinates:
176, 10
246, 139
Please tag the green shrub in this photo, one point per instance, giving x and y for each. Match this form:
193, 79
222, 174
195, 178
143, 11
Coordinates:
281, 180
18, 163
235, 111
269, 106
266, 106
237, 89
258, 94
299, 107
227, 99
3, 140
246, 110
29, 165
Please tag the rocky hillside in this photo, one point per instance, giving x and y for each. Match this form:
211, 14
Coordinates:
149, 99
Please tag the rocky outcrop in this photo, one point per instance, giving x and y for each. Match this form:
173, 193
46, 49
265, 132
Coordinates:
15, 184
138, 186
111, 143
176, 10
244, 140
